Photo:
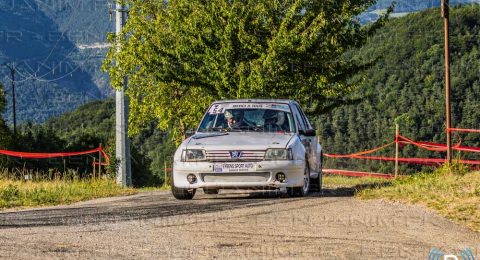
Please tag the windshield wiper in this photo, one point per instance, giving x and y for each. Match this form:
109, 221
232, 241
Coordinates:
219, 129
245, 128
207, 135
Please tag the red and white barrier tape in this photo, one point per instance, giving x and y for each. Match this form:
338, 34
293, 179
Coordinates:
463, 130
424, 145
358, 174
28, 155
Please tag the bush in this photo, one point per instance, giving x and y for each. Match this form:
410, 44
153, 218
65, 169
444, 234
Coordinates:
10, 193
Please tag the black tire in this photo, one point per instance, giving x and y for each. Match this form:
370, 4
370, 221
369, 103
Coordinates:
320, 174
295, 192
210, 191
301, 191
316, 184
183, 194
320, 182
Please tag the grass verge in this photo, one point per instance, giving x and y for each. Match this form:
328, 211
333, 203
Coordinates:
17, 193
155, 188
339, 181
450, 191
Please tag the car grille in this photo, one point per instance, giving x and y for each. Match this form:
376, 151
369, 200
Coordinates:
224, 156
235, 177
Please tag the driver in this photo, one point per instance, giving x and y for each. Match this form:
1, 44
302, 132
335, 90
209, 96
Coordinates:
275, 120
235, 118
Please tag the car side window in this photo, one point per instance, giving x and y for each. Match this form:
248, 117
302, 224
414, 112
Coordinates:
304, 117
207, 122
298, 117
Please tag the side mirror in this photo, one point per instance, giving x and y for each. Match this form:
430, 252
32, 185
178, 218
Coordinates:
308, 132
189, 132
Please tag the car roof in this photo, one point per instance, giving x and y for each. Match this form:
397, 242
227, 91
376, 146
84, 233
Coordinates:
282, 101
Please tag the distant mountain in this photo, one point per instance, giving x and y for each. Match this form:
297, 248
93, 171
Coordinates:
58, 47
403, 7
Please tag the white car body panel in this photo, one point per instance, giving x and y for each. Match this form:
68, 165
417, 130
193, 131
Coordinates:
240, 141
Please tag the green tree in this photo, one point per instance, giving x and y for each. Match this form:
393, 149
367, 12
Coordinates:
180, 55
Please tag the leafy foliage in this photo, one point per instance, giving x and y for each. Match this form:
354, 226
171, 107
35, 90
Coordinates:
180, 55
407, 86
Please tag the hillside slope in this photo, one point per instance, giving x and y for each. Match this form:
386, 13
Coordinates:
403, 7
408, 83
46, 41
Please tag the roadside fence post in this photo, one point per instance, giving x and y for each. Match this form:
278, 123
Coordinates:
397, 130
100, 161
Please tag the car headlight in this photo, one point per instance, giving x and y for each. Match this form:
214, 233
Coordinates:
279, 154
193, 155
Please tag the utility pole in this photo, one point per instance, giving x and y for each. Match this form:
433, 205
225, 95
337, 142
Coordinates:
122, 143
397, 134
14, 102
445, 15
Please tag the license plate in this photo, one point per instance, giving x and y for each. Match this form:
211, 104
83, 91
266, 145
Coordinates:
234, 167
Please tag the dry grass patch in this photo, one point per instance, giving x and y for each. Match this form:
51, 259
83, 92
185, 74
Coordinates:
451, 191
339, 181
18, 193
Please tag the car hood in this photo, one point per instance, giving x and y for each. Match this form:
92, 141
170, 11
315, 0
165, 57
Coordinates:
239, 140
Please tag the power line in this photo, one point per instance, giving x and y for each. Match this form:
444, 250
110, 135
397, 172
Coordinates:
12, 75
27, 76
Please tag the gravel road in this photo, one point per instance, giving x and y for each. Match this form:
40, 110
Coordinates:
231, 226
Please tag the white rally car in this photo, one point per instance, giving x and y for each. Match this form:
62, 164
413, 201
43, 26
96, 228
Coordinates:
249, 144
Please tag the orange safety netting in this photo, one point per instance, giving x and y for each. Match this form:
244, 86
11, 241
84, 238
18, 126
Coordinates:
359, 153
422, 161
438, 147
357, 173
28, 155
463, 130
424, 145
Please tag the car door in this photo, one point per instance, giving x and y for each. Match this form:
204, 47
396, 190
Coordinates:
308, 137
316, 149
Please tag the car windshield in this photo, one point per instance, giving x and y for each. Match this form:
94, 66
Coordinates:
269, 117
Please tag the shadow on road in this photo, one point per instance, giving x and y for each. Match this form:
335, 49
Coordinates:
144, 207
352, 190
158, 205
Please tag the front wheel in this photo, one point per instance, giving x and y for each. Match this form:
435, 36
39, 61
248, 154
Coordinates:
301, 191
183, 194
316, 184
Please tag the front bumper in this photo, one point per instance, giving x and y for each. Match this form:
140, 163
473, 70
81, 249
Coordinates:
262, 176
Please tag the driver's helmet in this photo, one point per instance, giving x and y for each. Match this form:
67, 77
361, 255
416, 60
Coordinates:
237, 114
274, 116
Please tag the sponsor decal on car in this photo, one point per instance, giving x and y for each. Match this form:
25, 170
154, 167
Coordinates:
234, 167
217, 109
220, 108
